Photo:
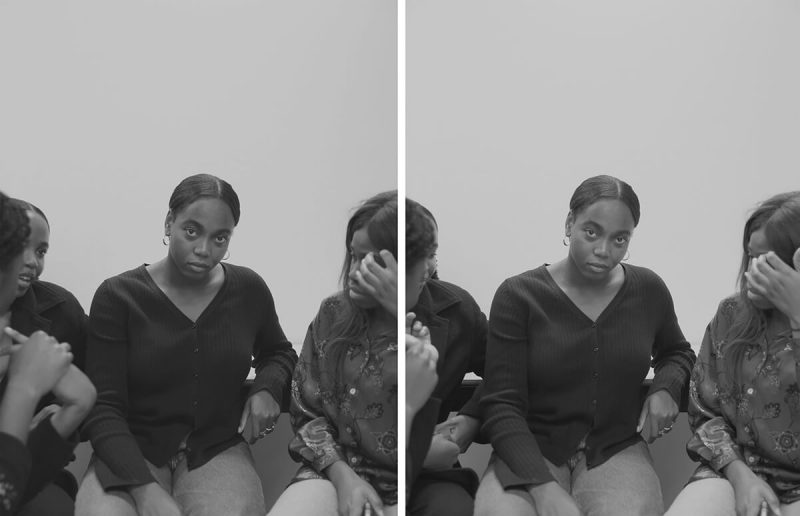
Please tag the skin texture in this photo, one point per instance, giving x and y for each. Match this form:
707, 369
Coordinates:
34, 254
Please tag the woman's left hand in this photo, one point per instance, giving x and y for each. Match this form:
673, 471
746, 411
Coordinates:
380, 282
263, 412
658, 415
778, 282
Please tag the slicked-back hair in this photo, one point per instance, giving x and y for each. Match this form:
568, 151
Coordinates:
602, 187
204, 186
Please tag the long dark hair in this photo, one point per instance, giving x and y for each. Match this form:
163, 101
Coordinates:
420, 234
14, 230
378, 215
779, 217
605, 187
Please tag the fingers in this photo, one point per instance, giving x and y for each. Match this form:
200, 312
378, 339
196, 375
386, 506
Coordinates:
15, 335
245, 415
374, 503
8, 349
410, 316
642, 419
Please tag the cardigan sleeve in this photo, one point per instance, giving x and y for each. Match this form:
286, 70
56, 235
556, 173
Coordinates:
121, 463
15, 466
505, 401
315, 439
477, 361
274, 358
673, 357
713, 440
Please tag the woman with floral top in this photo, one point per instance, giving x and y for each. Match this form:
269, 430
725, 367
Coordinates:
344, 390
745, 400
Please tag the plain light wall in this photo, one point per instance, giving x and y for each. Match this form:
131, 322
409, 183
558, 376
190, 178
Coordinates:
511, 104
106, 106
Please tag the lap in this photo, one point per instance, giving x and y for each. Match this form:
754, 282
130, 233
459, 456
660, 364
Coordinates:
439, 498
313, 497
492, 498
227, 484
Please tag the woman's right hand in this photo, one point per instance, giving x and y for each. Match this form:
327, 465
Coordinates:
152, 500
353, 493
753, 496
550, 499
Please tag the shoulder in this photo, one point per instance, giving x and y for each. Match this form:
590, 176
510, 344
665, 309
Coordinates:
444, 294
530, 281
125, 279
244, 277
644, 277
50, 294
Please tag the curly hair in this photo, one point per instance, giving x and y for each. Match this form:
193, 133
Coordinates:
420, 233
14, 230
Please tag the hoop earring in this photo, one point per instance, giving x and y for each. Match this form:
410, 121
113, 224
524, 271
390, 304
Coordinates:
627, 255
227, 255
165, 240
565, 241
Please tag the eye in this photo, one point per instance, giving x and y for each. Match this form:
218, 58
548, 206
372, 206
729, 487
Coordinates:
622, 240
190, 231
222, 239
591, 233
41, 252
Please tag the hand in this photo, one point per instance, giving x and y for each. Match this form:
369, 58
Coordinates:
43, 414
658, 414
550, 499
7, 347
152, 500
753, 496
39, 364
421, 357
77, 396
355, 496
460, 429
379, 282
779, 283
263, 412
442, 453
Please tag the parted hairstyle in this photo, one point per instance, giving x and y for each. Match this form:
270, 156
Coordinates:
602, 187
14, 230
30, 207
201, 186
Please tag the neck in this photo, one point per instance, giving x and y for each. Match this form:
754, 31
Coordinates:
573, 276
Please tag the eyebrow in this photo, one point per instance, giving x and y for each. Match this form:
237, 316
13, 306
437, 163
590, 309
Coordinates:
597, 225
195, 223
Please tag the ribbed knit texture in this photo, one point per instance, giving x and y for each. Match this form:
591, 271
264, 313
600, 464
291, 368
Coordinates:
553, 376
160, 377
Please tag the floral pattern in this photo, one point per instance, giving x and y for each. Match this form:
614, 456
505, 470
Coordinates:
751, 416
344, 403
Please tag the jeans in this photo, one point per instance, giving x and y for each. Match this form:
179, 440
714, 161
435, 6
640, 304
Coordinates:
624, 485
227, 484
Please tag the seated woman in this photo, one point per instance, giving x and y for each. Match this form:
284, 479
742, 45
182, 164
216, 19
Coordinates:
344, 391
170, 346
45, 306
744, 398
438, 486
31, 368
569, 346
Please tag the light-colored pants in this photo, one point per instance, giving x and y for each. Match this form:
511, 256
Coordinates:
713, 497
624, 485
314, 497
227, 484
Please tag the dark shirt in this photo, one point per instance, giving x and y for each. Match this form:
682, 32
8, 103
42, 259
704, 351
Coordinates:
15, 466
162, 378
458, 331
554, 377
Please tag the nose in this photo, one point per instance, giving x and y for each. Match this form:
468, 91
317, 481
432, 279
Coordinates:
201, 249
601, 249
29, 258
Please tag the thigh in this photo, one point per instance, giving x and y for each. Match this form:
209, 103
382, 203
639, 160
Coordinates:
93, 500
492, 499
709, 496
439, 498
626, 484
313, 497
227, 484
52, 500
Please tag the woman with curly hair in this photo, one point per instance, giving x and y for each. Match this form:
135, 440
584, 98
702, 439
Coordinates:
744, 405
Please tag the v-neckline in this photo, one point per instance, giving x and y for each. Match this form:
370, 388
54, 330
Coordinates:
172, 304
575, 308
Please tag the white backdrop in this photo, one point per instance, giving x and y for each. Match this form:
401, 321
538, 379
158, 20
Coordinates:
512, 104
106, 106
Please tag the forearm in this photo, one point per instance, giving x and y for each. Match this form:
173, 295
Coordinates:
16, 410
339, 473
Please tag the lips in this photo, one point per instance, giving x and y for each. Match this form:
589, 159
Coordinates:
599, 267
201, 266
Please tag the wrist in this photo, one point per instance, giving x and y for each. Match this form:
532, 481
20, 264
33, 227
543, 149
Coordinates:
339, 473
738, 473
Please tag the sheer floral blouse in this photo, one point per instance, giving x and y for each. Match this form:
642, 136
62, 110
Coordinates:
755, 418
344, 403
